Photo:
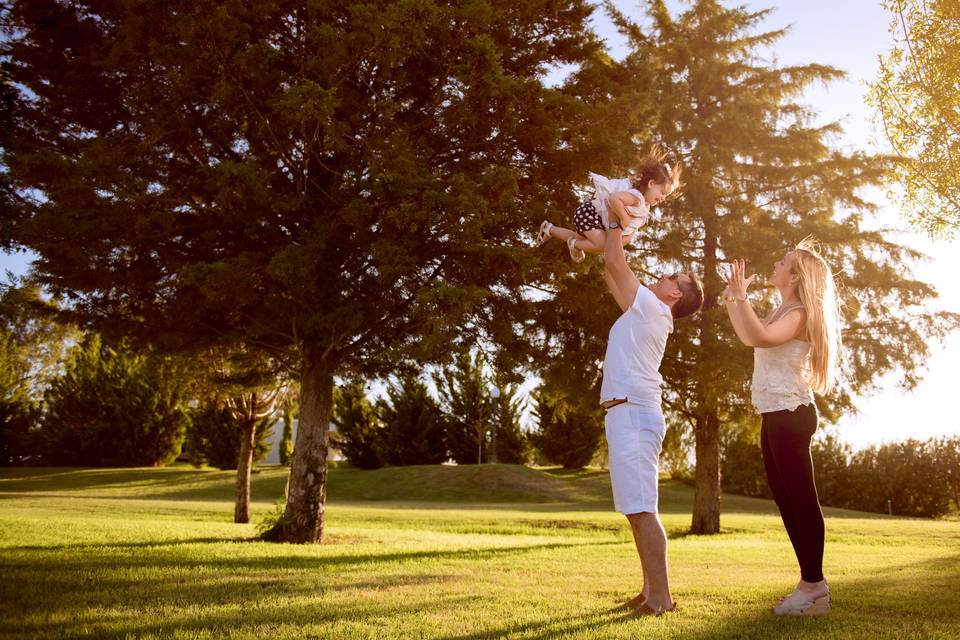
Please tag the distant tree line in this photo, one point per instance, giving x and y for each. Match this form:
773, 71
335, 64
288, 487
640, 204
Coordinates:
464, 422
105, 403
82, 399
919, 478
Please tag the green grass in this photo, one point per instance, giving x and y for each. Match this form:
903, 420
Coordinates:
436, 552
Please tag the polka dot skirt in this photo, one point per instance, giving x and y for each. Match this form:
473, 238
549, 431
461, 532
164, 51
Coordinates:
587, 217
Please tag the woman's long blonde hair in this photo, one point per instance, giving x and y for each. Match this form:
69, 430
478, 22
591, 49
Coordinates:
818, 292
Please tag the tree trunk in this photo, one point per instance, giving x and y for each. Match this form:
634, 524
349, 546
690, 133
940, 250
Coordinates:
706, 494
303, 518
493, 433
480, 446
241, 511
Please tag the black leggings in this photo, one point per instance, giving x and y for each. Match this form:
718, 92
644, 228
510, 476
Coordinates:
785, 439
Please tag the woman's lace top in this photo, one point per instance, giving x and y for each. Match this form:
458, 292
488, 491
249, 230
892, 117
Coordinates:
781, 374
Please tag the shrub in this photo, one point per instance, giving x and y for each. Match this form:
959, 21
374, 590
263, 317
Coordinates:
359, 434
413, 424
113, 407
567, 434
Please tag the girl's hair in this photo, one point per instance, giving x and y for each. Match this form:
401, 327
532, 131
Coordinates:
818, 292
652, 167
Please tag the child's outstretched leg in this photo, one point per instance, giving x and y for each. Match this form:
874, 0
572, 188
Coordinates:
576, 243
592, 243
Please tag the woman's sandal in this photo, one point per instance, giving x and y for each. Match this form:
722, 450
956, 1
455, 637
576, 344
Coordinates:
544, 234
800, 604
577, 255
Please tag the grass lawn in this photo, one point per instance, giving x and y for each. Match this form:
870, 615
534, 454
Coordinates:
436, 552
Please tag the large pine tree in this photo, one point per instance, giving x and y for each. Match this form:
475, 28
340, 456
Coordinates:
760, 176
337, 183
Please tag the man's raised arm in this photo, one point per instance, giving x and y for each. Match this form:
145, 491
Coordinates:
621, 280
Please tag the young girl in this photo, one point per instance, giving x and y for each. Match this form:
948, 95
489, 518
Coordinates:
619, 202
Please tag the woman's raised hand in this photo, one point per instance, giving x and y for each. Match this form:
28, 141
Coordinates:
737, 283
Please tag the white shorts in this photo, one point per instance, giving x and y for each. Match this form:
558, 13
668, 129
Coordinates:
634, 438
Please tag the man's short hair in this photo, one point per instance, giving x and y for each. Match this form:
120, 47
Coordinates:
692, 300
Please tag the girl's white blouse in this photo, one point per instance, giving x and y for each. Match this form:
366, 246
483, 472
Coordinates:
605, 187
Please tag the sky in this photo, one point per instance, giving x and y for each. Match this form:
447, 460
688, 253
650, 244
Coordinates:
849, 35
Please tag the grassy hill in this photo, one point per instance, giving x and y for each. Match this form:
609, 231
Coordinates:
435, 552
467, 484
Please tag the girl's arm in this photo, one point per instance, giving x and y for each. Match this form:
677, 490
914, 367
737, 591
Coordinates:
618, 202
748, 327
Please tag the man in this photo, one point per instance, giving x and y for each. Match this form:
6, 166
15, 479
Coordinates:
630, 393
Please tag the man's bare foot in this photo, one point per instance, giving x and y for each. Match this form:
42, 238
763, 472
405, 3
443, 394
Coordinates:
650, 609
636, 601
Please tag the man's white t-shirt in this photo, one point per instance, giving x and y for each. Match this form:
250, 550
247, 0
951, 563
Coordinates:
631, 367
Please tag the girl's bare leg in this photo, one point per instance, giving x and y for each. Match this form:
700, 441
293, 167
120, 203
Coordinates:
594, 241
561, 233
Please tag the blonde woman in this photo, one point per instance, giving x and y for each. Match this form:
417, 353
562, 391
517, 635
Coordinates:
796, 348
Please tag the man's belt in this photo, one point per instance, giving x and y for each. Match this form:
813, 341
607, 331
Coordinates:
609, 404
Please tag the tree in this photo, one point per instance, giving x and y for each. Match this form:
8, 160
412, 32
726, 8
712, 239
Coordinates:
741, 463
465, 395
911, 477
255, 413
334, 183
39, 343
948, 462
214, 436
7, 96
414, 427
759, 177
244, 387
513, 447
831, 461
359, 430
902, 477
18, 414
113, 407
568, 432
917, 103
32, 352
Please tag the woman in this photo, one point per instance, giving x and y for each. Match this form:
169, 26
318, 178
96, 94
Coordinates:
796, 349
